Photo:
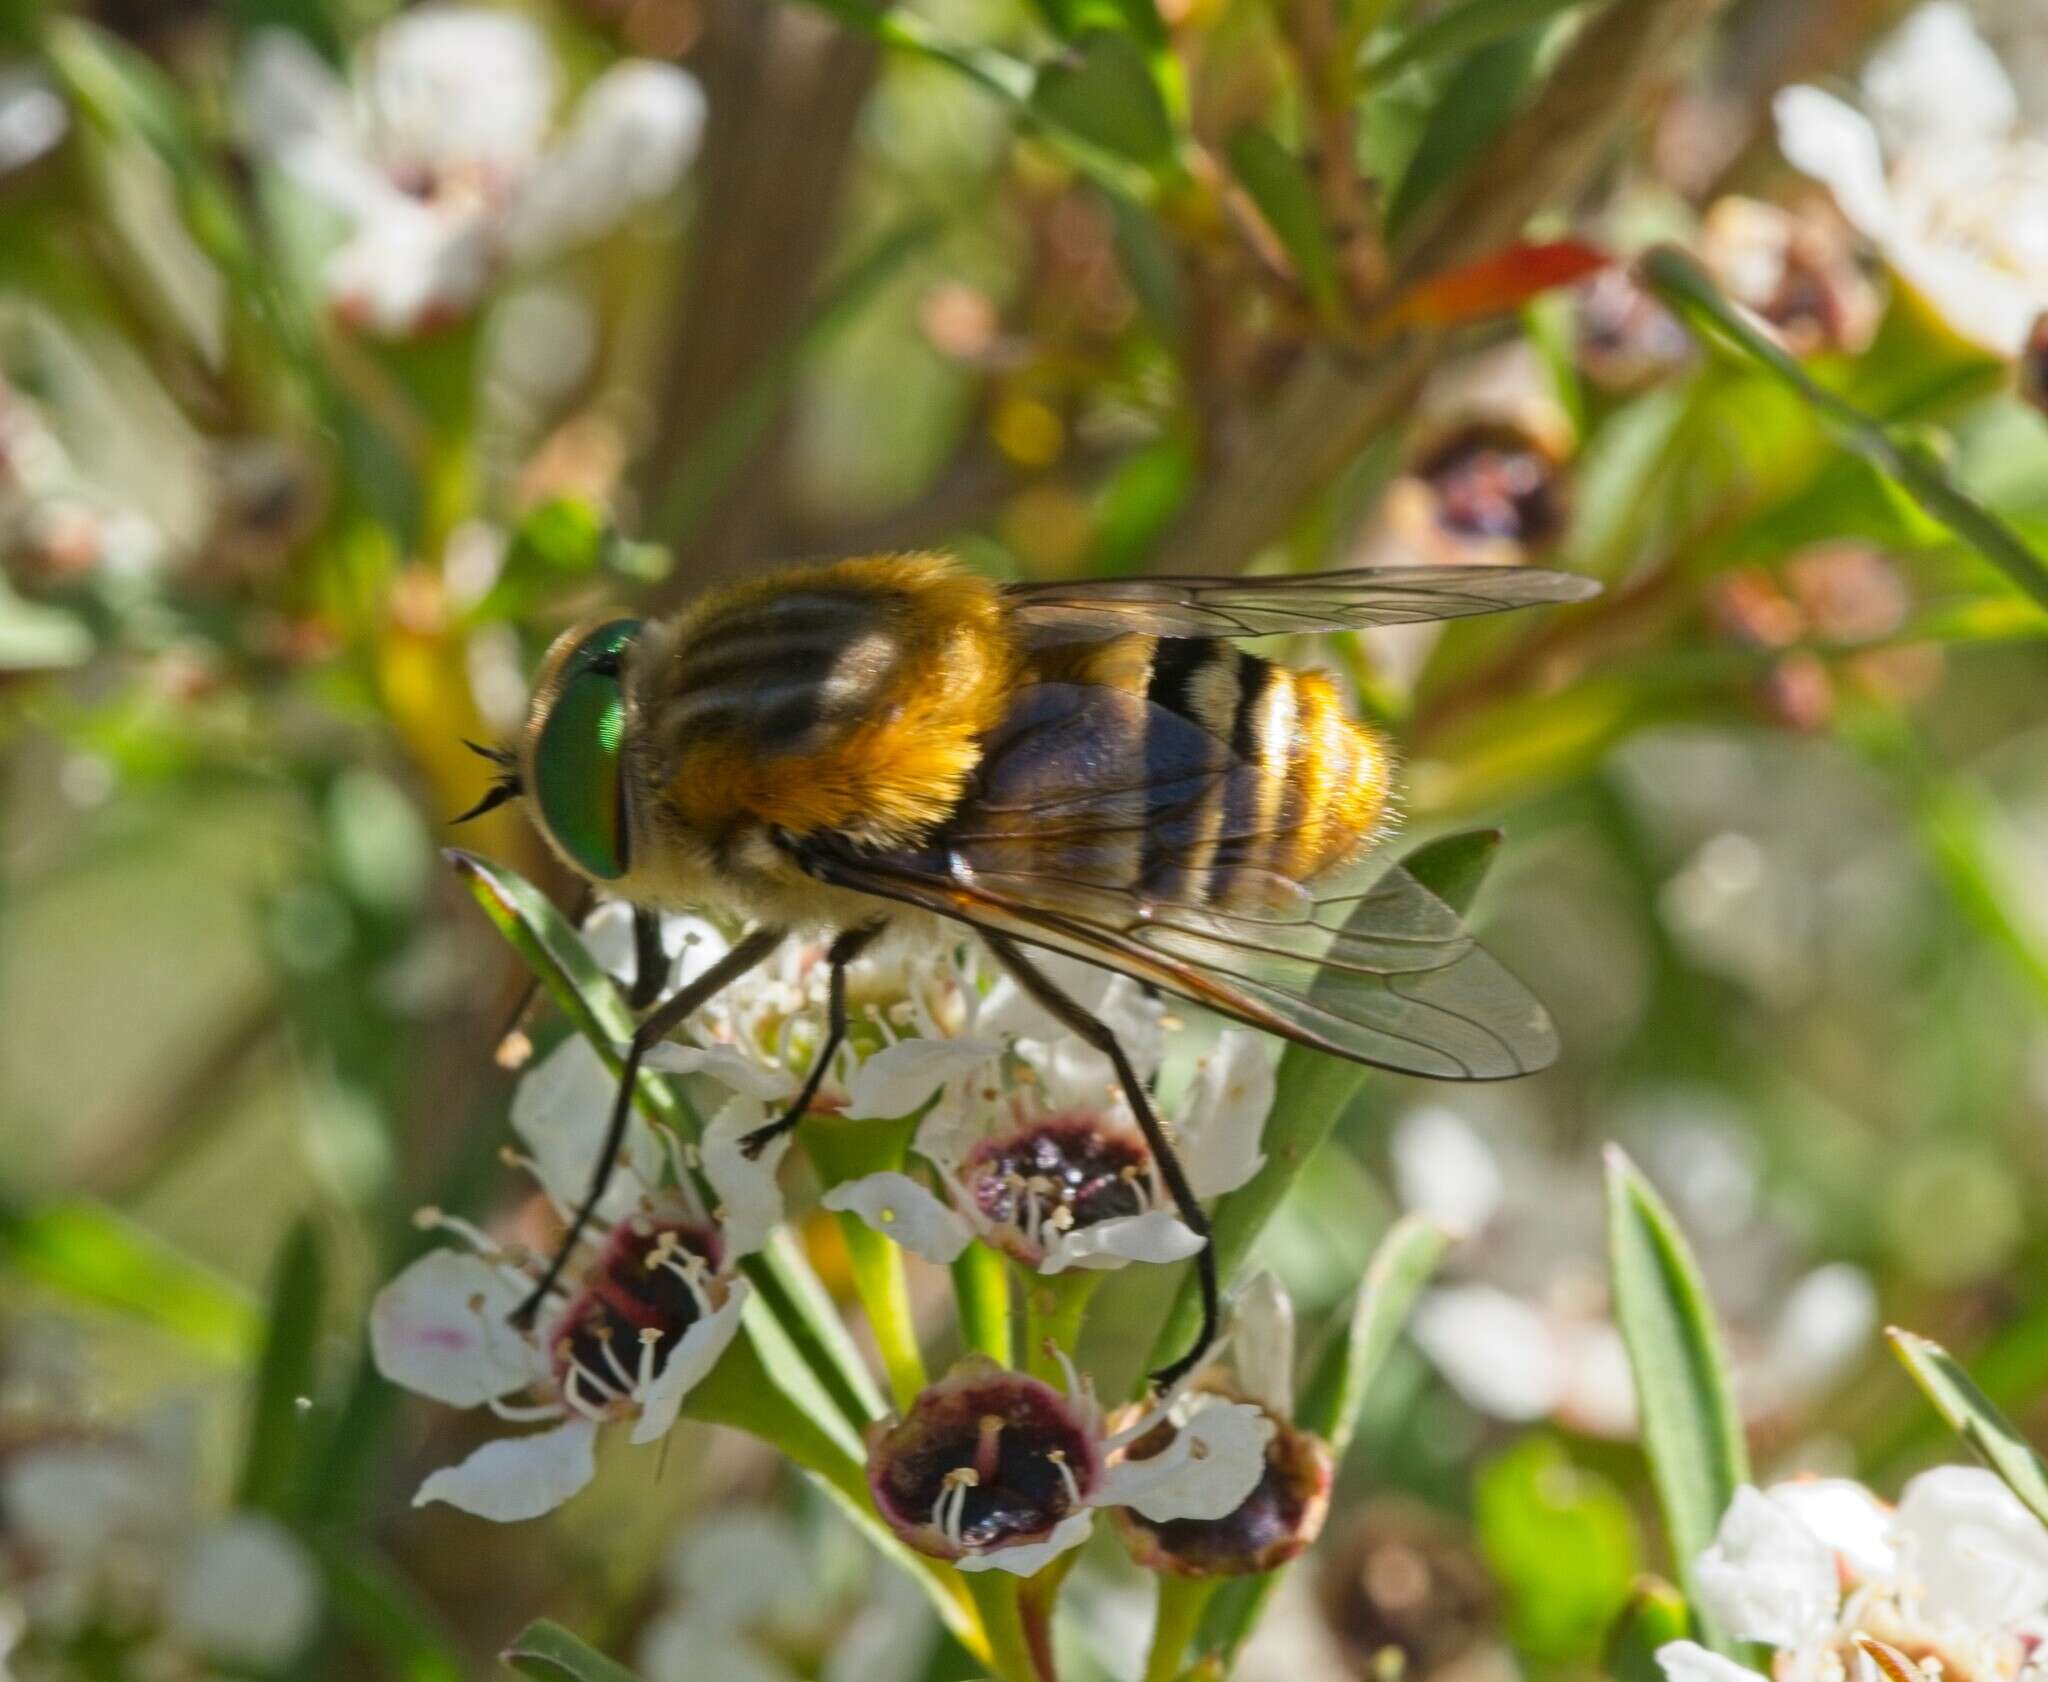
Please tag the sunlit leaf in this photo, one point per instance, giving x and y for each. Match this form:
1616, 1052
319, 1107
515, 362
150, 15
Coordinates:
1279, 185
1990, 1436
547, 1652
1104, 92
1562, 1542
1312, 1092
1453, 30
99, 1256
1692, 1432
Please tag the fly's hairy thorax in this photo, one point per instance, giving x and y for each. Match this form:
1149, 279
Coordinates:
1298, 786
848, 699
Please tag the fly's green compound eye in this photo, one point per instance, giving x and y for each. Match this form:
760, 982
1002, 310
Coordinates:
576, 761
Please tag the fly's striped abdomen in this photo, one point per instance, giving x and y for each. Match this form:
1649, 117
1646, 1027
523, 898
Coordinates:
1274, 784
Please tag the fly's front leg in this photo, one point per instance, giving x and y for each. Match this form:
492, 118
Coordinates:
680, 1005
843, 950
1069, 1012
650, 962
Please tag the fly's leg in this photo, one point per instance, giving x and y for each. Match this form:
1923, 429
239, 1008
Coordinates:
677, 1008
1068, 1011
650, 962
844, 949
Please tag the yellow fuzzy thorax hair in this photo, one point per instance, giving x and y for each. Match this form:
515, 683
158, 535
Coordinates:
899, 770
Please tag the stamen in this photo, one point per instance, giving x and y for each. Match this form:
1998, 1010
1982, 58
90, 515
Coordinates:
604, 1344
606, 1395
987, 1445
432, 1219
515, 1414
650, 1341
1058, 1457
949, 1511
593, 1411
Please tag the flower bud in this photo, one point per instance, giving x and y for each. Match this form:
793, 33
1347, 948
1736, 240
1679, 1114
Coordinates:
1406, 1592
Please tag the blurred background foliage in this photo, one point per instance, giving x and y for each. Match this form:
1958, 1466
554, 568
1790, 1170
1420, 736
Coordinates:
326, 400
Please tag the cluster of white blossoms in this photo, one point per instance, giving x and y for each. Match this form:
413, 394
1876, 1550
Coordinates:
1955, 1578
445, 156
1938, 171
1028, 1144
104, 1544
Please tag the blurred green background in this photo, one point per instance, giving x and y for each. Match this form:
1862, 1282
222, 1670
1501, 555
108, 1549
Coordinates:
331, 386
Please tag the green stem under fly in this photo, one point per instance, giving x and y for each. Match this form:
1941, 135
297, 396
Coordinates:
997, 1596
848, 1150
1054, 1307
1181, 1603
981, 1295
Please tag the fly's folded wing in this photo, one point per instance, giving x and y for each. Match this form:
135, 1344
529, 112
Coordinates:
1104, 826
1047, 615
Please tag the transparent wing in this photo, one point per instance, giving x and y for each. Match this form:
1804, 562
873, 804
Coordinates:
1092, 610
1101, 826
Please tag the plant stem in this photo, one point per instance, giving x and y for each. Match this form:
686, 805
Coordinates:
841, 1151
981, 1294
997, 1597
1182, 1601
1054, 1308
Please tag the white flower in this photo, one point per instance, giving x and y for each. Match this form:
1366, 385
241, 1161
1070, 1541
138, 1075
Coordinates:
247, 1594
444, 158
33, 118
1974, 1554
1938, 175
1768, 1577
647, 1307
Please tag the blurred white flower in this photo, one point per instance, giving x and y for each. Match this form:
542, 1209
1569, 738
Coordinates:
648, 1305
444, 155
33, 117
1937, 171
1960, 1568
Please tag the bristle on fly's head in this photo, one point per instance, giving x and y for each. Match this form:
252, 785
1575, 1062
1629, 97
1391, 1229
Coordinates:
506, 787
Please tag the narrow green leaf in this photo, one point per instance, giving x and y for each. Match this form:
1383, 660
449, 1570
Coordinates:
1104, 92
1989, 1434
1475, 105
1280, 186
379, 1607
99, 1256
1312, 1091
1692, 1432
1460, 29
1335, 1394
278, 1448
1691, 293
547, 1652
1656, 1613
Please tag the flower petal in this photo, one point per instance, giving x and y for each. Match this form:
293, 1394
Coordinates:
749, 1199
514, 1478
903, 1209
900, 1077
1975, 1553
1688, 1661
454, 89
407, 268
727, 1066
1158, 1235
442, 1330
688, 1364
1498, 1352
560, 1110
1265, 1343
1444, 1168
1225, 1113
632, 137
1847, 1517
293, 107
1215, 1460
1027, 1559
1767, 1577
247, 1593
1935, 79
1836, 145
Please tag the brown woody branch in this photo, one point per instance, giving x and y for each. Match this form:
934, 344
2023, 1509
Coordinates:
1335, 401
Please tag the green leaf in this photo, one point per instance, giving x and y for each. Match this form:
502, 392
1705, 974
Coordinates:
379, 1607
1656, 1613
1475, 106
1280, 186
1335, 1393
547, 1652
1312, 1090
37, 638
1692, 1432
1688, 290
1104, 92
279, 1425
1988, 1433
1152, 266
99, 1256
1561, 1541
1460, 29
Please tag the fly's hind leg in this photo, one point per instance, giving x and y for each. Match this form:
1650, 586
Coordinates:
848, 946
1068, 1011
680, 1005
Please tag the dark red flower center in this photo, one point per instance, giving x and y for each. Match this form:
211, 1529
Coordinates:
1071, 1163
646, 1290
1493, 482
1279, 1519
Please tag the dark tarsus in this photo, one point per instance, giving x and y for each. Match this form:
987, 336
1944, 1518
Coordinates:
844, 949
676, 1009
